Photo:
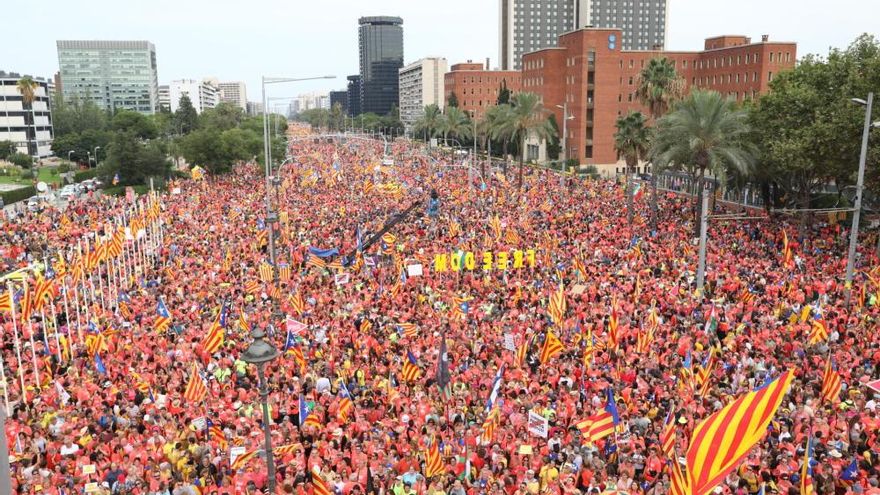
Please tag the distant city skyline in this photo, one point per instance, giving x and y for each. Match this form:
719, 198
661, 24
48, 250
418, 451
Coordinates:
232, 42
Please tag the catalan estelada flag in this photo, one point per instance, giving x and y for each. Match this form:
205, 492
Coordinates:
243, 459
217, 333
163, 318
411, 369
667, 435
297, 303
722, 440
266, 272
613, 323
678, 483
433, 463
818, 331
196, 390
346, 406
831, 383
557, 306
552, 346
523, 351
806, 480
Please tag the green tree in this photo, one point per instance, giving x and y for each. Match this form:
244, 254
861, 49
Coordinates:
203, 147
186, 119
428, 124
659, 86
6, 148
807, 129
496, 117
76, 116
452, 101
163, 119
27, 88
527, 118
631, 141
21, 160
456, 124
318, 118
134, 160
503, 93
336, 117
81, 143
705, 132
140, 125
223, 117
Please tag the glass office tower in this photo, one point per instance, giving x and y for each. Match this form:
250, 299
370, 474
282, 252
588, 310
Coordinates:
113, 74
381, 55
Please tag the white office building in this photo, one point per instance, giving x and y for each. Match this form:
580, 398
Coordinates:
529, 25
233, 92
202, 94
29, 126
421, 84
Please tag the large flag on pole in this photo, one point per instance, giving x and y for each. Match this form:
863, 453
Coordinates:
443, 377
217, 333
722, 440
196, 390
552, 347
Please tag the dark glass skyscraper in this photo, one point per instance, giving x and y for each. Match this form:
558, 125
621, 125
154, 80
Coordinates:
381, 55
354, 95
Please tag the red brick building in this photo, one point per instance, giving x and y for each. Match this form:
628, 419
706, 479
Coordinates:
589, 73
476, 88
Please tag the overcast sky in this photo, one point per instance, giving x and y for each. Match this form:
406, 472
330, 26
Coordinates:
240, 40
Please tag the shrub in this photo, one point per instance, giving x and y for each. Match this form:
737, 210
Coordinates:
27, 175
17, 195
63, 168
22, 160
85, 175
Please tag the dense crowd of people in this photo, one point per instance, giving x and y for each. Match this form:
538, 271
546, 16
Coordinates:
362, 330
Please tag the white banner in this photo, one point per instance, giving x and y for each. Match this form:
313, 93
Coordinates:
538, 425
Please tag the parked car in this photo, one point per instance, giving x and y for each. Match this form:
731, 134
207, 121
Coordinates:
69, 192
37, 203
92, 184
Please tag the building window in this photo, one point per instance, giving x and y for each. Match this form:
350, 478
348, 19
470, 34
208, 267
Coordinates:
769, 76
684, 64
631, 61
630, 80
771, 57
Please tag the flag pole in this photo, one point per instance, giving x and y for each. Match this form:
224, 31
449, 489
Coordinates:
31, 336
17, 341
5, 385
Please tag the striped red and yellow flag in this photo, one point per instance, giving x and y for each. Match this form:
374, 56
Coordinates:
644, 340
722, 440
196, 390
818, 331
557, 306
678, 483
454, 228
266, 272
552, 347
495, 225
667, 435
243, 459
5, 302
44, 292
297, 303
96, 344
522, 351
321, 487
806, 481
511, 237
409, 330
831, 383
316, 262
410, 371
579, 267
433, 463
252, 287
613, 324
346, 406
284, 450
215, 432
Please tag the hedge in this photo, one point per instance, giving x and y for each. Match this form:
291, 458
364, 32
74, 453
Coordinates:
85, 175
17, 195
120, 190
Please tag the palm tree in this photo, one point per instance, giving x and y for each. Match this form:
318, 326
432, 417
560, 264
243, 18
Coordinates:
527, 118
704, 132
659, 87
428, 123
495, 118
27, 87
455, 123
631, 141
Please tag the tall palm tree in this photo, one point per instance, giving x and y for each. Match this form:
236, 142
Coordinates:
495, 119
455, 123
631, 141
659, 87
428, 123
27, 88
527, 118
705, 132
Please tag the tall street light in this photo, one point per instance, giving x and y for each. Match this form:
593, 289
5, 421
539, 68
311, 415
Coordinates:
565, 118
266, 154
857, 207
96, 155
260, 352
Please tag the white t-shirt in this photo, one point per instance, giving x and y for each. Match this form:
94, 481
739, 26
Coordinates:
69, 450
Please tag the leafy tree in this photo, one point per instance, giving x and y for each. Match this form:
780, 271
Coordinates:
76, 116
336, 117
452, 101
527, 118
223, 117
202, 147
140, 125
631, 141
659, 87
704, 133
81, 143
807, 129
316, 117
6, 148
186, 119
27, 88
133, 159
21, 160
503, 93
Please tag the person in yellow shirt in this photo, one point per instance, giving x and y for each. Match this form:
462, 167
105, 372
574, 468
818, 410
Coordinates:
548, 473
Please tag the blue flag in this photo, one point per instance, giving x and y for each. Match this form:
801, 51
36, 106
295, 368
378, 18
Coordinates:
496, 387
303, 410
99, 365
850, 474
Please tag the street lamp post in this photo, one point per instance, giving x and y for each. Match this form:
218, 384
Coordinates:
268, 164
260, 352
96, 155
68, 154
565, 119
857, 207
89, 155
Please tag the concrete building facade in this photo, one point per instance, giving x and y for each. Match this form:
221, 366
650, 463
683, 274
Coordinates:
202, 94
421, 84
114, 74
232, 92
27, 125
476, 88
598, 81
